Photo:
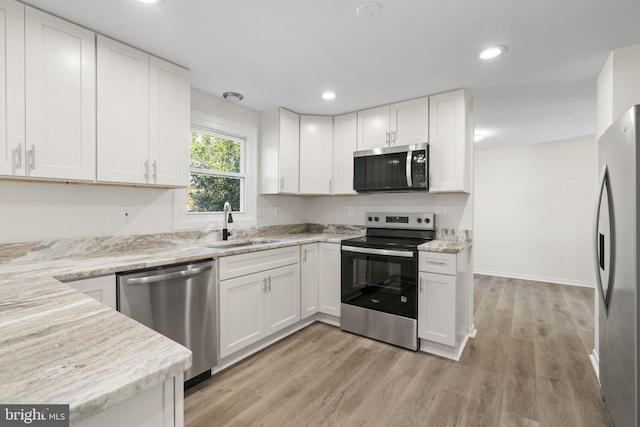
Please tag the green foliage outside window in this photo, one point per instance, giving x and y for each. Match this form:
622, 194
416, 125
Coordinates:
214, 162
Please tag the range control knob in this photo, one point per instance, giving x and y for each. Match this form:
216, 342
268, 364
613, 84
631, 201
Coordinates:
376, 219
427, 220
419, 220
370, 219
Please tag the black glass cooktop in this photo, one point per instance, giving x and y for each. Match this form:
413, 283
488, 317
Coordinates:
385, 242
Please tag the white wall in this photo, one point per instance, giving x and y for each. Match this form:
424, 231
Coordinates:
534, 205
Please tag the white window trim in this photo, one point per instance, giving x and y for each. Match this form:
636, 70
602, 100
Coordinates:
214, 220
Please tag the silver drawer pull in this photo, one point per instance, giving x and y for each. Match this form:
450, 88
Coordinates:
437, 261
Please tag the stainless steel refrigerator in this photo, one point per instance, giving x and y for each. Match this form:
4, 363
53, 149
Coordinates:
616, 264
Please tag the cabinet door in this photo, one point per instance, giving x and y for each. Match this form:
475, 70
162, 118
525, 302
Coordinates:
316, 141
410, 122
288, 152
123, 113
169, 115
101, 289
282, 298
60, 98
308, 280
345, 138
437, 308
449, 142
373, 128
12, 120
241, 312
329, 274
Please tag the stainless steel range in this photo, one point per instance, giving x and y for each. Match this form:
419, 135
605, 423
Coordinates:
380, 277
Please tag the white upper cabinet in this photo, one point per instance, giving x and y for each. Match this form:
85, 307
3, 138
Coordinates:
398, 124
170, 117
47, 99
12, 122
373, 128
450, 142
123, 113
143, 117
410, 122
280, 152
345, 137
316, 142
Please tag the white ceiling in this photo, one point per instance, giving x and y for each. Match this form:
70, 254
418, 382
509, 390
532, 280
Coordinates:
287, 52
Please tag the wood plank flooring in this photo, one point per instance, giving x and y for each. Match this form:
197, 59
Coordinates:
528, 366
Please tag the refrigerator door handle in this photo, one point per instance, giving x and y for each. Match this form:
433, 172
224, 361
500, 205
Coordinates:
603, 259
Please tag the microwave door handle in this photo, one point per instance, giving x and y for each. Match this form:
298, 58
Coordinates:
408, 169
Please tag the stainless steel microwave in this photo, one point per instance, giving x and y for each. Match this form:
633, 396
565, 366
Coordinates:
392, 169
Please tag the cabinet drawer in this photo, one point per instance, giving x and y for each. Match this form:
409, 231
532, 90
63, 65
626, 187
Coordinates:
436, 262
253, 262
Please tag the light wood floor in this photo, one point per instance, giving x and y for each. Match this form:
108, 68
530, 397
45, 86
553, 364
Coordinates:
528, 366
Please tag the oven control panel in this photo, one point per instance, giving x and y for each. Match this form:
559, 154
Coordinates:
413, 221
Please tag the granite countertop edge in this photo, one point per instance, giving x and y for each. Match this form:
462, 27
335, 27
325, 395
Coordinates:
37, 287
444, 246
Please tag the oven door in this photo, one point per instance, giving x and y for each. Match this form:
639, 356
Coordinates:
380, 279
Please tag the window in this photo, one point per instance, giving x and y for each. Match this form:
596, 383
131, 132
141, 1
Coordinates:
217, 172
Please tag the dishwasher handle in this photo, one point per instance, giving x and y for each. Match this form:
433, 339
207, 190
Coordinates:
168, 276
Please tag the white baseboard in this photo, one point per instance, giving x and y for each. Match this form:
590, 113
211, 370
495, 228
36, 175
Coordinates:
579, 283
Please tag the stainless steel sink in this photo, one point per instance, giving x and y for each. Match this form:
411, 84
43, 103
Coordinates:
247, 243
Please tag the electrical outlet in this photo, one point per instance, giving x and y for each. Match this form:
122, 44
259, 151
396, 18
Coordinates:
126, 213
350, 211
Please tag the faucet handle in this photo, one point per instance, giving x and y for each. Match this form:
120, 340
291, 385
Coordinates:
230, 218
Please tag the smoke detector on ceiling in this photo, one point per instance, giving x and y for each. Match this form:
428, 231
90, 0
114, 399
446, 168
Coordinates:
369, 9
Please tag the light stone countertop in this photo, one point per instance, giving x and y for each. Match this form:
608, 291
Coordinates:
59, 346
444, 246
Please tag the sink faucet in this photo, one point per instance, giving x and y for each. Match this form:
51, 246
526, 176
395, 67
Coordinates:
228, 219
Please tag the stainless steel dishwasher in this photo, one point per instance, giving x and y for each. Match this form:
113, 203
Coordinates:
178, 301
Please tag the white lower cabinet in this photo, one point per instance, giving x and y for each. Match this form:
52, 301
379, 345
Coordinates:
102, 289
255, 305
445, 287
329, 278
309, 280
437, 318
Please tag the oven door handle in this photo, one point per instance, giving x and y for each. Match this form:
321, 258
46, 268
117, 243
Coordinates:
373, 251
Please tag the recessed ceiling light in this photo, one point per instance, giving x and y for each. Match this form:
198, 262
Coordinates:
479, 135
491, 52
233, 96
328, 95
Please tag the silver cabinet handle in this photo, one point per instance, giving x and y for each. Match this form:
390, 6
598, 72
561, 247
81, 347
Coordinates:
30, 161
17, 158
146, 170
421, 285
388, 138
269, 283
168, 276
330, 186
437, 261
304, 255
393, 137
155, 172
281, 183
